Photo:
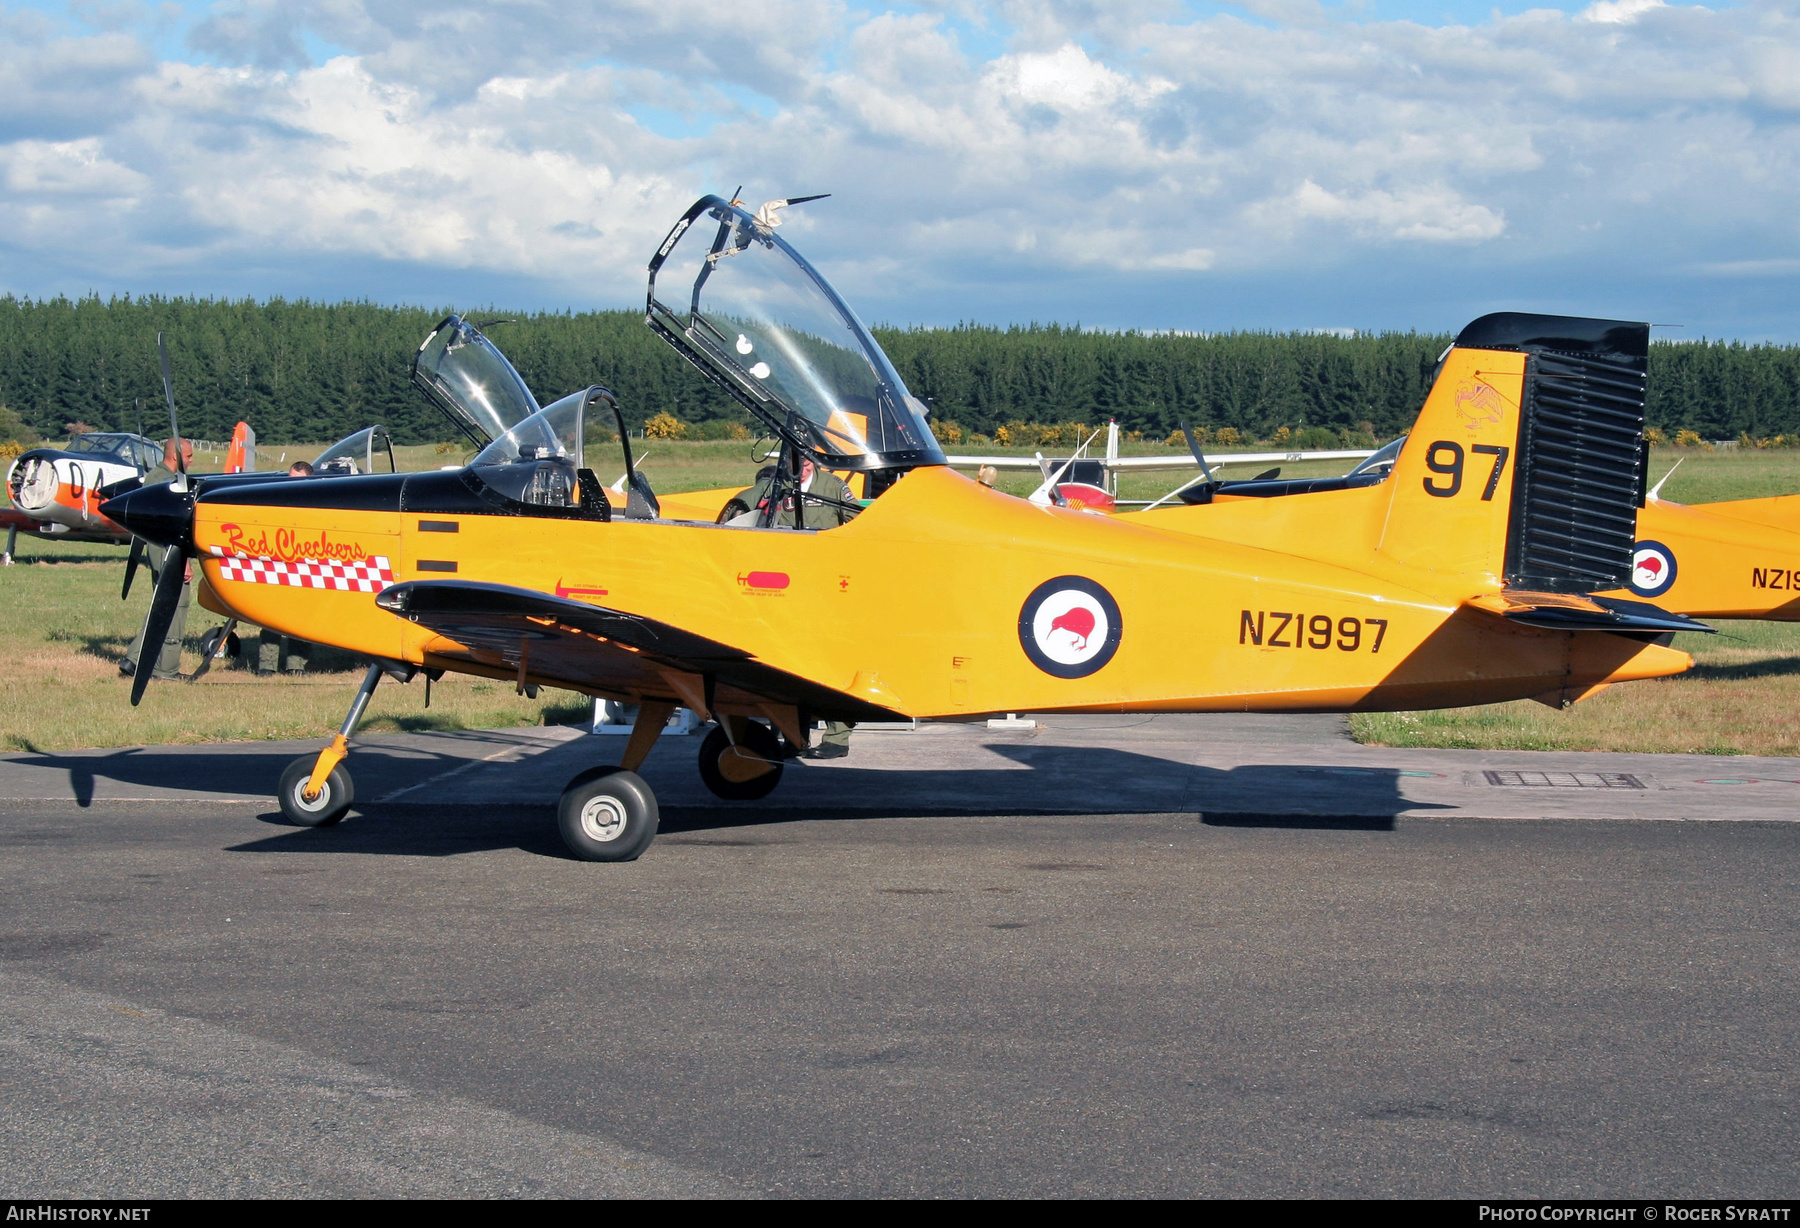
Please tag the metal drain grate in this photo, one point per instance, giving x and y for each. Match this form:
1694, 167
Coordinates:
1567, 780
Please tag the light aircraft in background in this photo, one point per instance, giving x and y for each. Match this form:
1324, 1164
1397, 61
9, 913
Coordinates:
1091, 483
1469, 576
57, 492
1737, 558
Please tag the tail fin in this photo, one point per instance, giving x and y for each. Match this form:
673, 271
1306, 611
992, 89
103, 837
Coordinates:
1526, 463
240, 457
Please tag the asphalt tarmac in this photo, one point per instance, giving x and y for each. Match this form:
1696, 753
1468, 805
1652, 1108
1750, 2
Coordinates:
1188, 956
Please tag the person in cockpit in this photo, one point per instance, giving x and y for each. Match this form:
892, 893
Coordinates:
830, 506
830, 503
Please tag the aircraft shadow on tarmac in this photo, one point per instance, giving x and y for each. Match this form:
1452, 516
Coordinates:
1061, 780
238, 772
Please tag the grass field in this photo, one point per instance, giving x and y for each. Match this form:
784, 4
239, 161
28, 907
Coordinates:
64, 630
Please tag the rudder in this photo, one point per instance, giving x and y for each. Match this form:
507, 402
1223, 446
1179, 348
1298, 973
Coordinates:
1526, 465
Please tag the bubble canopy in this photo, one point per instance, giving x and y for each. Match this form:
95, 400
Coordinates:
746, 308
464, 375
538, 460
357, 453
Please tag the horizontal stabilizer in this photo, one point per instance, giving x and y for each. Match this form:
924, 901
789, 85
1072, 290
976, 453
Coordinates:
1578, 612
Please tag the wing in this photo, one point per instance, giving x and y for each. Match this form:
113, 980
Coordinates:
560, 642
998, 462
1139, 464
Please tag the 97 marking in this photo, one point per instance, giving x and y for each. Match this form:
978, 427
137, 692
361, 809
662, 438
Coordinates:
1273, 629
1452, 468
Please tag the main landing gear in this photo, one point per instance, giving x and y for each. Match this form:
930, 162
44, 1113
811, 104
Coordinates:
604, 814
316, 790
741, 761
610, 814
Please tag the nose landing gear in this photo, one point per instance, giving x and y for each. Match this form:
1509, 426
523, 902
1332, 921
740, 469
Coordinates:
316, 790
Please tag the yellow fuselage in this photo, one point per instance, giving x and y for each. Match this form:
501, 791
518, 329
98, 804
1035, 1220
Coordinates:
915, 605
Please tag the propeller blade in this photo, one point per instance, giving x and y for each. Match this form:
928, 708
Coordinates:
156, 622
1194, 447
131, 565
162, 353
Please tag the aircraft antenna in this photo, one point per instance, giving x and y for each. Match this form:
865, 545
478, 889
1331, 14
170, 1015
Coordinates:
1656, 490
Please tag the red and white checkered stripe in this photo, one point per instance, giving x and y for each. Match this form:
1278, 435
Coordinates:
369, 575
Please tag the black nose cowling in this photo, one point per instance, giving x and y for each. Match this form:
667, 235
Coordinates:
159, 514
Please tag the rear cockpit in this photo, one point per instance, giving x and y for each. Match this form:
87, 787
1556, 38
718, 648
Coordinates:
736, 300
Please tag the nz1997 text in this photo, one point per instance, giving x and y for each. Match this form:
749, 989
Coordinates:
1280, 629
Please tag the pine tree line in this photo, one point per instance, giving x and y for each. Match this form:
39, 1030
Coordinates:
301, 371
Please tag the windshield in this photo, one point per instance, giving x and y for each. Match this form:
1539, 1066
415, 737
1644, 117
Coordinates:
96, 443
469, 379
538, 460
1382, 461
364, 452
733, 296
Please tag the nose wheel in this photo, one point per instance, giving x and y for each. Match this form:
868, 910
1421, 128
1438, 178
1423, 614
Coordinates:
325, 807
316, 790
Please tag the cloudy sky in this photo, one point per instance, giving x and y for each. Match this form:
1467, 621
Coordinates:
1118, 163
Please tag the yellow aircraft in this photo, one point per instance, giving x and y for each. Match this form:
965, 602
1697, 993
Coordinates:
1735, 559
1467, 578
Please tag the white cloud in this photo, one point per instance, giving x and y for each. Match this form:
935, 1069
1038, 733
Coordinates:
1123, 145
1430, 213
67, 169
1617, 12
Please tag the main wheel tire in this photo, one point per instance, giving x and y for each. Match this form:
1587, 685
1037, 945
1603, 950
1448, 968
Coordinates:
611, 817
741, 777
591, 774
324, 810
